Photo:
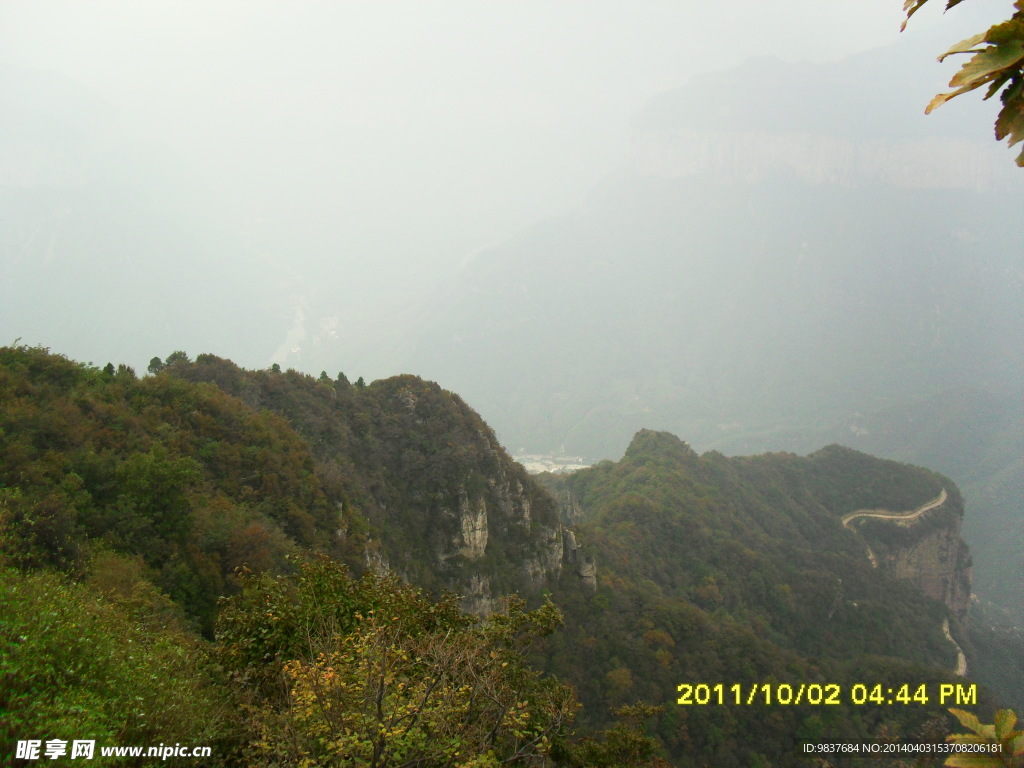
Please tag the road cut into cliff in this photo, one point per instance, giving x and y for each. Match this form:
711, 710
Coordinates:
886, 514
910, 515
961, 659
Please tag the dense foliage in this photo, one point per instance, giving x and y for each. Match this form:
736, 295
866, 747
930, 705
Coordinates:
181, 475
407, 456
74, 665
1001, 734
129, 505
372, 673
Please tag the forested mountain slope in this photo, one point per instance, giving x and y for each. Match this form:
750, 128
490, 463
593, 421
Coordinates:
443, 504
182, 481
129, 505
204, 467
722, 571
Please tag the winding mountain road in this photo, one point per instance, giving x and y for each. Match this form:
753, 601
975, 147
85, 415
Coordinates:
961, 660
886, 514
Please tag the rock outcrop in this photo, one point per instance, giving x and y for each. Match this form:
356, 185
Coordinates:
938, 564
453, 511
582, 564
472, 527
922, 547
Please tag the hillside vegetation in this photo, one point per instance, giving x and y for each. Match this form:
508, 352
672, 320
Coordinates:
722, 571
186, 556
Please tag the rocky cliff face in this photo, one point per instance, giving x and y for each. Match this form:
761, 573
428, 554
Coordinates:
476, 554
938, 563
582, 564
427, 491
472, 527
506, 537
450, 508
926, 551
514, 522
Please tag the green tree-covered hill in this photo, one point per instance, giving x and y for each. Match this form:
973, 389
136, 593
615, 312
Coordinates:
204, 467
423, 474
209, 523
739, 571
182, 481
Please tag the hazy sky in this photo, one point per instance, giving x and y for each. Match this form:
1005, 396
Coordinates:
388, 141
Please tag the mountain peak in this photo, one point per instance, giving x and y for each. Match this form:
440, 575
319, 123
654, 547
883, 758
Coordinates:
652, 444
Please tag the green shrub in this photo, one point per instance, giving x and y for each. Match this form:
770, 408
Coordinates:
74, 665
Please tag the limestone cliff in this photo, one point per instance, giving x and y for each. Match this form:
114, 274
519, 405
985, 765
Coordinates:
735, 157
939, 565
922, 547
503, 533
513, 524
583, 565
427, 492
450, 508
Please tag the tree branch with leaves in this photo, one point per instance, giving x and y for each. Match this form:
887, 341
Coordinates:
1008, 743
996, 63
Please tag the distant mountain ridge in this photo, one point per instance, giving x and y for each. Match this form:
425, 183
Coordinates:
672, 301
805, 213
850, 123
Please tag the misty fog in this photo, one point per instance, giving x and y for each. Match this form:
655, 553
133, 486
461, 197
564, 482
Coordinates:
251, 178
